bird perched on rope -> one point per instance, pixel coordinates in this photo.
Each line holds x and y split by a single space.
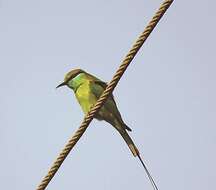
88 90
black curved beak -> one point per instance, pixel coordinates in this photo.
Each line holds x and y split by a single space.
62 84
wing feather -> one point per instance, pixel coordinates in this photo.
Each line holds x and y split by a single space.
97 88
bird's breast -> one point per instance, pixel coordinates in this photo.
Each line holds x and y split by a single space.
85 98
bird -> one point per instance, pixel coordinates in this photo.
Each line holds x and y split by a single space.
88 89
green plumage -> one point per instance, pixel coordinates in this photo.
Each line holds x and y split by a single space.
88 89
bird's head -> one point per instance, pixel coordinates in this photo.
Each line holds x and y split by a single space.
69 76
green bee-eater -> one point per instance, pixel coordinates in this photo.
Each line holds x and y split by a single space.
88 89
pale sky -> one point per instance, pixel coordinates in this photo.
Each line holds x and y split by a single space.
167 95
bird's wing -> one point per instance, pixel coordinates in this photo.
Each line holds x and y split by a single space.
104 85
97 88
99 82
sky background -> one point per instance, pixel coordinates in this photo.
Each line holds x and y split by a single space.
167 95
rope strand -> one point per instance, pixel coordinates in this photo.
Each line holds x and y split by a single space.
89 117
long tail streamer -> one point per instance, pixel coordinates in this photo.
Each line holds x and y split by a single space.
148 173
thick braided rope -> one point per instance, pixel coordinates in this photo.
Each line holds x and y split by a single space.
89 117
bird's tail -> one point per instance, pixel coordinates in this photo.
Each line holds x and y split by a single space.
135 152
129 142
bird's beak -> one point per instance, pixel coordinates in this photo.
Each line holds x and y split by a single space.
62 84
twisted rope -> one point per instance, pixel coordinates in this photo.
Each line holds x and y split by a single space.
89 117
